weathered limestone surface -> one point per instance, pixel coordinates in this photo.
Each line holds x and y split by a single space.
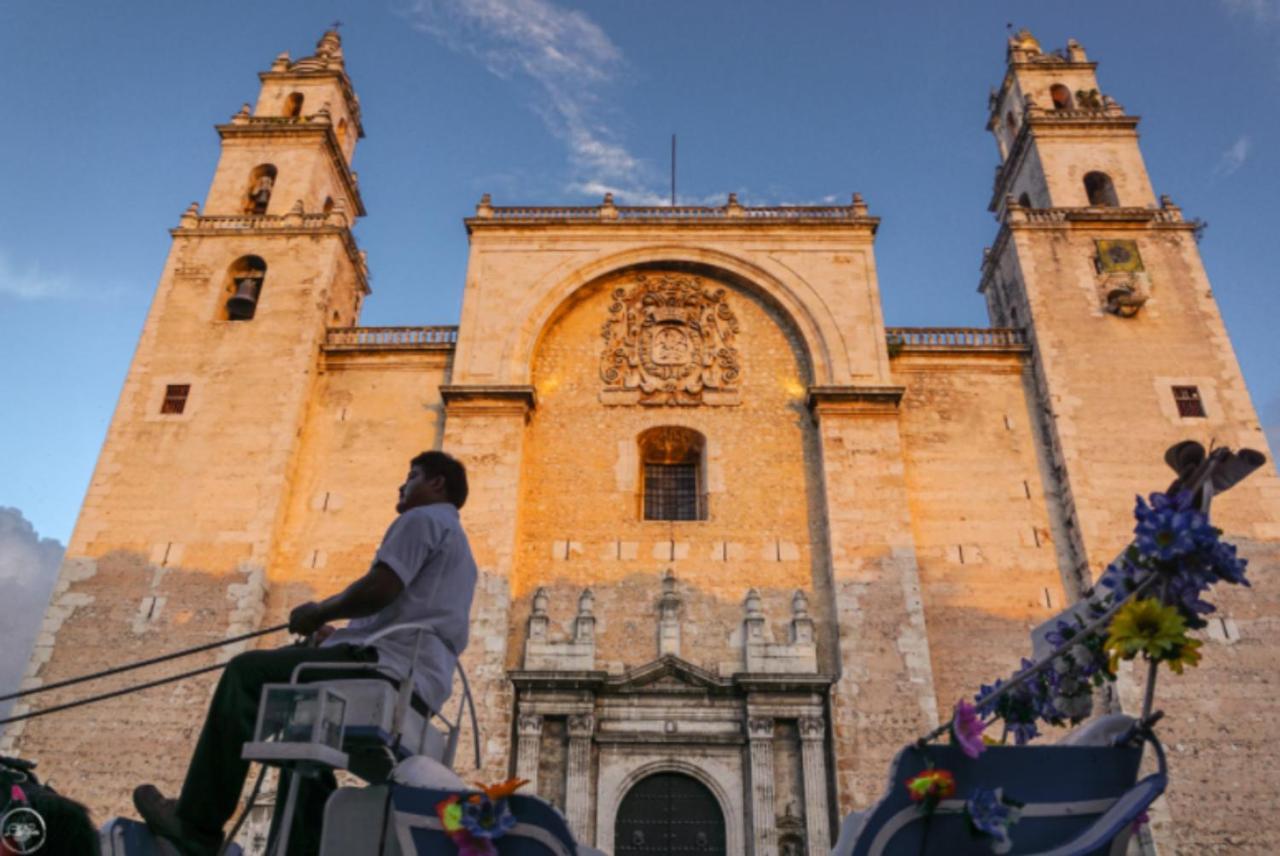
884 522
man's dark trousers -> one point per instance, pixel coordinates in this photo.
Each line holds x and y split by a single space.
217 772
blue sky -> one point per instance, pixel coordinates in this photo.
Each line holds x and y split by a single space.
110 107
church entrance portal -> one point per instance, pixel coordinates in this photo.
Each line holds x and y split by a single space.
669 813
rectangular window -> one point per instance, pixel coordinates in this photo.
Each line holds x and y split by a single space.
175 398
1188 400
671 492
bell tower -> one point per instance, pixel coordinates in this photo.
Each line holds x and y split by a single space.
185 510
1130 351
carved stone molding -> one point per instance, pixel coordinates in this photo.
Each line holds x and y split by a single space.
582 725
811 728
669 341
760 727
529 724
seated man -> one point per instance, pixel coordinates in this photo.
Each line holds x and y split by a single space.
423 573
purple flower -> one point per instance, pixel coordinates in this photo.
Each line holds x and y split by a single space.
966 729
1226 564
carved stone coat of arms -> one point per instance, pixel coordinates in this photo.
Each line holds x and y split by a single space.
669 340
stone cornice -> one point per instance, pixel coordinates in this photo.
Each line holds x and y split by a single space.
787 683
192 225
259 127
880 400
488 398
731 215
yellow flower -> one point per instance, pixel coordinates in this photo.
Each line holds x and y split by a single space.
1150 628
1186 654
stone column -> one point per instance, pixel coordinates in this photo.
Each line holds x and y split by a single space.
884 696
577 795
484 428
764 833
528 746
813 761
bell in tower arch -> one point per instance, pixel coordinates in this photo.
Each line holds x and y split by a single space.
247 274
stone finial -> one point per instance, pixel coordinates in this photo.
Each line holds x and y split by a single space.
294 217
242 115
190 217
1013 211
733 208
801 623
1075 51
281 62
584 626
485 207
859 205
538 617
608 211
669 617
752 604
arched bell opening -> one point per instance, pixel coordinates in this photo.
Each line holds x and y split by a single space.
258 194
669 812
1061 96
244 287
1101 190
293 105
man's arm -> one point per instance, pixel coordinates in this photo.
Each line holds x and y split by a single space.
365 596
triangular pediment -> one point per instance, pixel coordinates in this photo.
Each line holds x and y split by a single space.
667 674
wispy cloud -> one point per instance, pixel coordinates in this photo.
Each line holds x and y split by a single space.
29 282
1265 11
1235 156
570 60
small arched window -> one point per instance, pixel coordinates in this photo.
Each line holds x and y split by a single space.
261 181
1024 200
671 460
342 132
293 105
328 205
1061 96
244 286
1011 123
1101 191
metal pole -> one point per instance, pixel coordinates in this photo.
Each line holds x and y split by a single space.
673 170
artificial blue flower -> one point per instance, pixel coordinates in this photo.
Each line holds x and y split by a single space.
485 818
1169 528
991 815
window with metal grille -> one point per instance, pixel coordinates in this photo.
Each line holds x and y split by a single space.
671 492
175 398
1188 400
671 467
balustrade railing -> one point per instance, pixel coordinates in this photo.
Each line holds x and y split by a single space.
261 221
946 338
634 213
389 338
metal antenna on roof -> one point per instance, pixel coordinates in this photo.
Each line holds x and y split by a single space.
673 170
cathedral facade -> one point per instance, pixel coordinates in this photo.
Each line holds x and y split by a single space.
738 540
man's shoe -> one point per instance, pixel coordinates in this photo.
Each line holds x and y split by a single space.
161 816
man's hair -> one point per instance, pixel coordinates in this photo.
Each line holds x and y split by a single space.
435 464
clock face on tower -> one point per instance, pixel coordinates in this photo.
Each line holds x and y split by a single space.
1118 255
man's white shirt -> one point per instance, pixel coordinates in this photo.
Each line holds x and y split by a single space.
429 552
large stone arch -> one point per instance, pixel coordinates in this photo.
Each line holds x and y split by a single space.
619 774
793 298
